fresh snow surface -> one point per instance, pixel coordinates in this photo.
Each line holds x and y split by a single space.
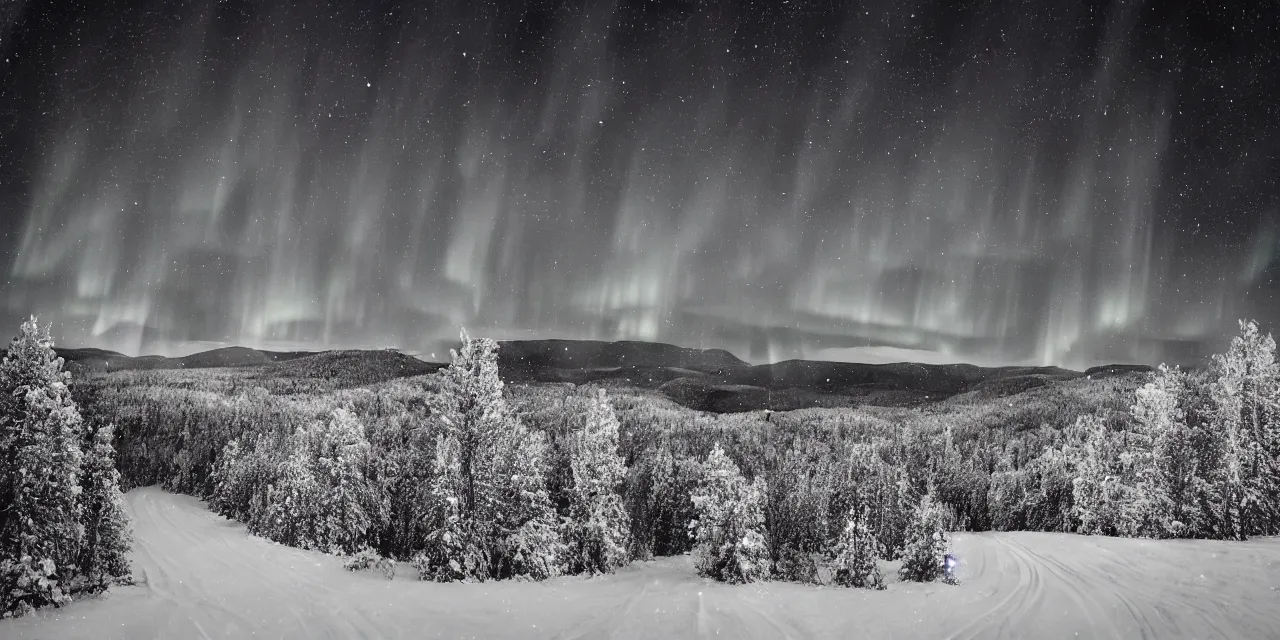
201 576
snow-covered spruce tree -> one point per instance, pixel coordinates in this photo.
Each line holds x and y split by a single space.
230 495
898 509
1247 399
322 497
528 531
658 490
598 529
729 542
292 502
348 505
925 549
1216 490
856 553
456 548
1097 494
797 508
40 464
492 516
242 474
107 536
1160 500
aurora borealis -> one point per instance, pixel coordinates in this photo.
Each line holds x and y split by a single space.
1049 182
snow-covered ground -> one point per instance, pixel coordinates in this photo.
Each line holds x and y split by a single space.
201 576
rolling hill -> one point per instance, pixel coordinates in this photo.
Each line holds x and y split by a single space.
704 379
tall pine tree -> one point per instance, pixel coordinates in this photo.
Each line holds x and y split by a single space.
348 505
40 465
598 527
1098 495
1166 462
493 517
107 536
1247 398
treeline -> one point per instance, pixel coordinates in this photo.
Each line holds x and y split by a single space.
1197 456
473 481
63 528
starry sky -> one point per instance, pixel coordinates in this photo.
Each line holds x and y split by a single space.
997 182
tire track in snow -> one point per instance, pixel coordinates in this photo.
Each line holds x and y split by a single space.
1076 587
1165 620
1031 595
1018 597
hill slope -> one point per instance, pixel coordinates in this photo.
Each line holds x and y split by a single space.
703 379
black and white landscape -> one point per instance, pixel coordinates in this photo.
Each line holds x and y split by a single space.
461 506
787 319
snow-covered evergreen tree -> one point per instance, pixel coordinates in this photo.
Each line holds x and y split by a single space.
598 529
348 504
243 476
1165 464
457 548
40 465
856 554
528 541
1098 495
292 503
730 545
1247 399
230 496
658 490
493 517
311 490
321 497
926 545
107 536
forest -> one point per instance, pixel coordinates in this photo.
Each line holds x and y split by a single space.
470 479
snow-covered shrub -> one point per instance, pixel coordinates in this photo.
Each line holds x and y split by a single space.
366 559
856 554
925 550
795 565
729 541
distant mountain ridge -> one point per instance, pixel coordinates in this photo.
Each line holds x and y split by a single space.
102 360
706 379
535 355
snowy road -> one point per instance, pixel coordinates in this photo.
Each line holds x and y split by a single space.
203 577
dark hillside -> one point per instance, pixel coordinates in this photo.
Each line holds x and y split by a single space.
704 379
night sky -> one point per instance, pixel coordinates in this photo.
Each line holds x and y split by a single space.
992 182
